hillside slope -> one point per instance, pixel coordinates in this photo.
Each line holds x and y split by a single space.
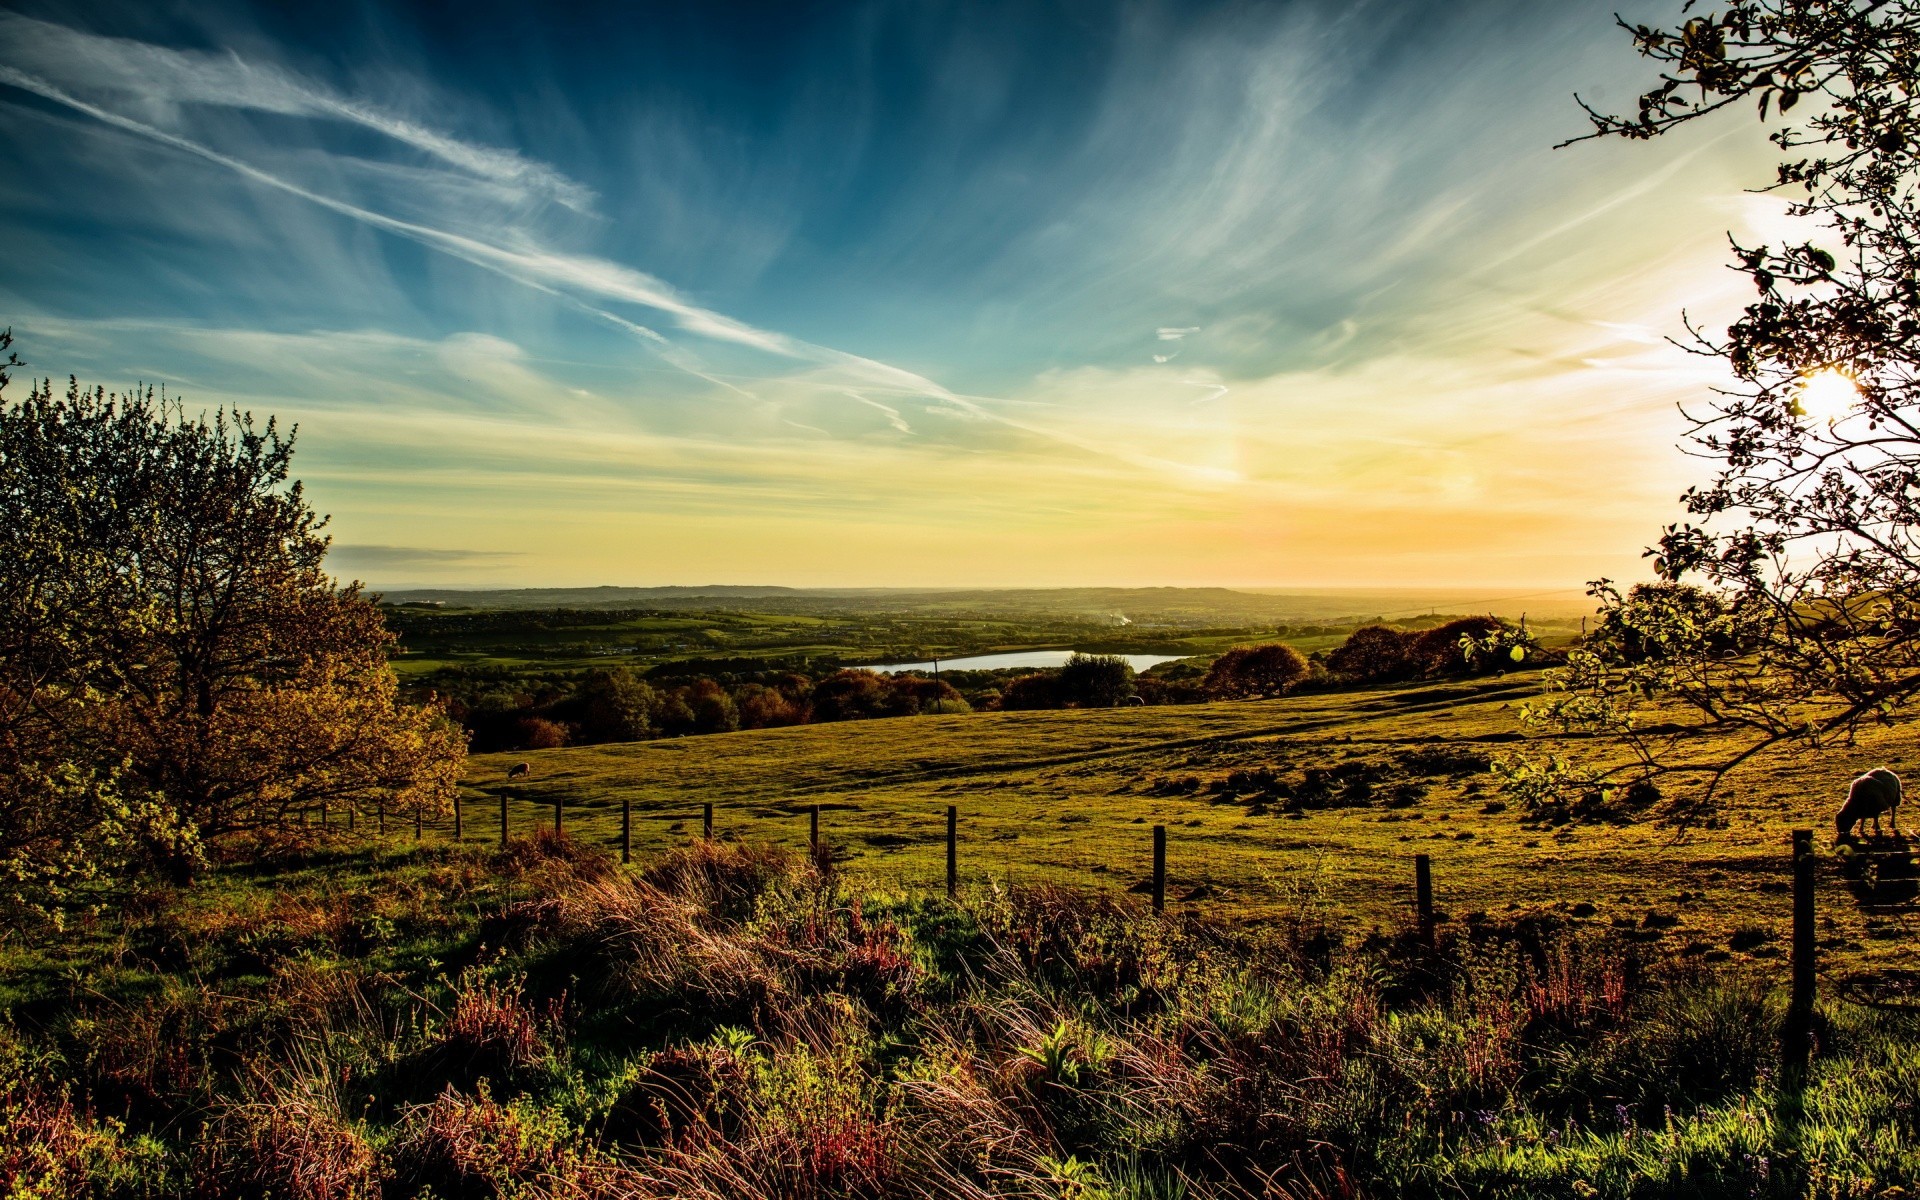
1312 802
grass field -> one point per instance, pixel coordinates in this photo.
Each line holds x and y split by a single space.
1070 797
327 1015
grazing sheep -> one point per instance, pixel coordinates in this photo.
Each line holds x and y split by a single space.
519 769
1876 792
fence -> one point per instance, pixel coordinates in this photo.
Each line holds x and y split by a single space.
1797 1033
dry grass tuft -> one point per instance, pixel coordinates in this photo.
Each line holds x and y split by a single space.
292 1143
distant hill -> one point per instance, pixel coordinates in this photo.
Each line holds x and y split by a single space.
1153 605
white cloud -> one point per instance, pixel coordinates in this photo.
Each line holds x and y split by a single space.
158 81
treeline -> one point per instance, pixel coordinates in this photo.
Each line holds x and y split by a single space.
619 705
503 710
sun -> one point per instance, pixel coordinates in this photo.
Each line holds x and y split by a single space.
1826 395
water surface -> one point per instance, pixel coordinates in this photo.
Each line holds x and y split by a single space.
1031 659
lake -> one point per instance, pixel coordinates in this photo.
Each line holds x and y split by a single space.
1034 659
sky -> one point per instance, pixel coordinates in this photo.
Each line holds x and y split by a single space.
894 294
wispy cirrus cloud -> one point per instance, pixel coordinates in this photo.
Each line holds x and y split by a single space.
88 74
156 81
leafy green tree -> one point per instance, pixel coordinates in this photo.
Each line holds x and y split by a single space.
616 706
1264 671
168 619
1801 548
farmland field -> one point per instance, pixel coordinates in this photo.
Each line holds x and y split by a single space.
1314 802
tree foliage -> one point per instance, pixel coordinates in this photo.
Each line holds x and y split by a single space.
1790 606
1095 680
170 638
1248 672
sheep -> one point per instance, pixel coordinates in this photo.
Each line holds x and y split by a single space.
519 769
1876 792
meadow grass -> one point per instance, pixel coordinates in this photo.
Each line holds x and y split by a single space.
340 1020
1377 775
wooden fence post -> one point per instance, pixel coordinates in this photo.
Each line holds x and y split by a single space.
383 816
353 814
813 828
626 829
1159 868
1423 895
419 820
459 826
503 818
556 816
953 850
323 814
706 820
1798 1035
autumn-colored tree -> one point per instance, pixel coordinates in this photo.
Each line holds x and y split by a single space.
1038 690
909 695
713 708
162 574
1264 671
762 707
849 695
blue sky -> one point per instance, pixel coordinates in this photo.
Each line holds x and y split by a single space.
892 294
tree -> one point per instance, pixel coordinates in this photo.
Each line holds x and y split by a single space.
1095 680
1264 671
1038 690
762 707
713 709
849 695
615 706
1801 546
166 617
1374 654
1452 648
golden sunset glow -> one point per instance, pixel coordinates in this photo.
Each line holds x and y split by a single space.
1826 395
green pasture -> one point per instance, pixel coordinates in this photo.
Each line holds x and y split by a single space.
1070 796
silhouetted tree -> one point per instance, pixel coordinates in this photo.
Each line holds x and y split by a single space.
1805 533
1462 646
1038 690
1375 654
1268 670
1095 680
